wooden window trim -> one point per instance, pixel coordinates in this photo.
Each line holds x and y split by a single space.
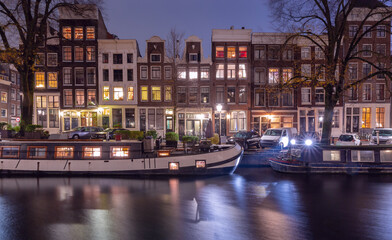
72 155
28 151
9 156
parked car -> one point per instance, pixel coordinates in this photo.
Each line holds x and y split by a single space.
306 138
246 139
348 139
384 136
108 133
83 132
281 137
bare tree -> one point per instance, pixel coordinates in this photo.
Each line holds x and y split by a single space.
23 25
325 24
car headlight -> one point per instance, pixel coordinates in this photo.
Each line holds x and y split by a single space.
292 142
308 142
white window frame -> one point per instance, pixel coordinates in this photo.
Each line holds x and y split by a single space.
52 65
141 72
315 93
159 75
365 52
309 93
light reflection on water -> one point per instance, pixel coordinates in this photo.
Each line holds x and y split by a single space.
251 204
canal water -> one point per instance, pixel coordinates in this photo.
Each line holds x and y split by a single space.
253 203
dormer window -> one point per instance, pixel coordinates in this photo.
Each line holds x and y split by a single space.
155 58
78 33
243 52
193 58
220 52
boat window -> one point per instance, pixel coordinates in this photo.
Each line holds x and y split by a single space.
386 155
200 163
36 152
331 155
92 152
174 166
64 152
10 152
119 152
362 156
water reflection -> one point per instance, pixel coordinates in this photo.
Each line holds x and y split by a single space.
252 204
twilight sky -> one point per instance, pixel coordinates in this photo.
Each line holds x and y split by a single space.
141 19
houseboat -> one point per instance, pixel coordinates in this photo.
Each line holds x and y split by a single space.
335 159
111 158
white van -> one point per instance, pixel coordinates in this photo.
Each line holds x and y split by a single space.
277 137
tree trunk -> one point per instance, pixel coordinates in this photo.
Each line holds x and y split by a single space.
27 82
327 122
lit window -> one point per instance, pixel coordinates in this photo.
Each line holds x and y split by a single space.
67 54
174 166
204 73
193 73
380 117
273 75
242 71
4 97
78 54
79 94
118 94
156 93
36 152
230 52
287 74
220 52
231 71
205 94
220 71
52 80
68 97
90 33
91 152
366 117
144 93
40 101
130 94
39 80
67 32
106 93
91 97
200 163
120 152
78 33
53 101
90 54
237 121
380 92
243 52
64 152
168 93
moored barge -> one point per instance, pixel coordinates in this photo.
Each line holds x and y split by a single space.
335 159
110 158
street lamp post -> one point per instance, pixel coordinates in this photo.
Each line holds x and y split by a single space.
219 109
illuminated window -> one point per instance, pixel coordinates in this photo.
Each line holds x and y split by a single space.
78 33
92 152
40 101
230 52
204 73
273 75
156 93
220 71
39 80
119 152
67 33
90 33
193 73
168 93
130 93
380 117
243 52
242 71
192 95
52 80
331 155
64 152
118 94
90 54
220 52
10 152
144 93
205 94
287 74
79 94
181 73
78 54
174 166
53 101
36 152
231 71
200 163
366 116
4 97
106 93
91 97
231 94
237 121
68 97
242 96
67 54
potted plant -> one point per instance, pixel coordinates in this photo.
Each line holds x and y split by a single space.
136 135
33 131
152 133
5 130
171 139
189 139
